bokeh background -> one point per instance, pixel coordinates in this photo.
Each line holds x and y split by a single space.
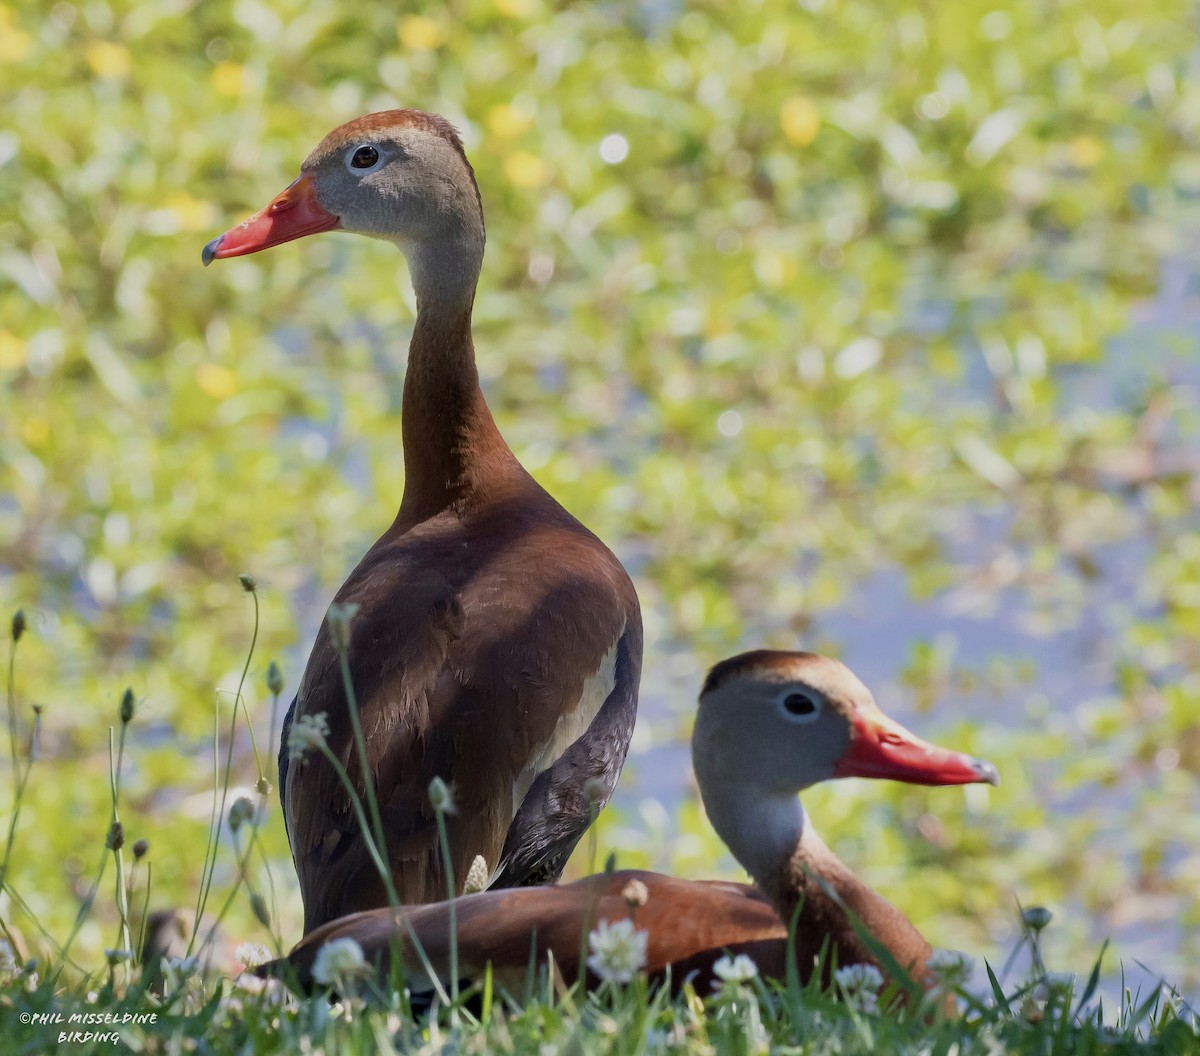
853 325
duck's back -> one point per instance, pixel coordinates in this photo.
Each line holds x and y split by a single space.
497 647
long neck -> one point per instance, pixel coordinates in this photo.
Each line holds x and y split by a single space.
772 837
451 443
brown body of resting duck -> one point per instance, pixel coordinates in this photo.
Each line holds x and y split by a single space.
497 643
770 724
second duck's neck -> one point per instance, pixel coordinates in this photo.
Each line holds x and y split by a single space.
774 840
451 443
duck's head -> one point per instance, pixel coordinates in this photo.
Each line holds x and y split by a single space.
399 175
782 721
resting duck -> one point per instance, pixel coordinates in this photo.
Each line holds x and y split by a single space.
770 724
497 642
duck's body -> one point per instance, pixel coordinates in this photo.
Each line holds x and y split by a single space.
690 923
496 642
769 725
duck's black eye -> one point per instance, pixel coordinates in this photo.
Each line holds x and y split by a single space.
798 704
365 157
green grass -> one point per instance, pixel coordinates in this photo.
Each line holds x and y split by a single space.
49 1001
222 1016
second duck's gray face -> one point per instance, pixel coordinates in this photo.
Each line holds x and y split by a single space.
784 721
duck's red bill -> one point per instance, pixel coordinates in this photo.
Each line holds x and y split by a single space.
881 747
293 213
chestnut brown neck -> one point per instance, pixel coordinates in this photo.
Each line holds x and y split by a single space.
452 448
453 451
816 882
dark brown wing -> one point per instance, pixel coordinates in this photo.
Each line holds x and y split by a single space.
690 925
470 656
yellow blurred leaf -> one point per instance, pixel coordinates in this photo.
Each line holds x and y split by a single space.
517 8
1085 151
14 42
419 33
227 78
12 351
108 59
190 213
506 120
216 380
35 430
525 170
799 119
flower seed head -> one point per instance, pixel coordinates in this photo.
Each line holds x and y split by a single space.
274 678
261 913
1035 918
440 796
262 786
339 618
308 731
636 894
248 582
477 876
18 625
241 812
140 847
127 706
116 837
595 792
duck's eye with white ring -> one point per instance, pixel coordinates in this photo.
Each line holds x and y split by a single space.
799 706
363 158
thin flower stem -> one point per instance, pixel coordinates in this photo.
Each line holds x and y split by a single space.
368 778
27 909
19 796
114 778
209 843
141 946
448 866
12 718
242 860
393 898
218 816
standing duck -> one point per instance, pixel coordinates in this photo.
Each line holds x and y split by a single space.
497 643
770 724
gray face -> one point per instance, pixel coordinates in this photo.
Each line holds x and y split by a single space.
778 729
405 185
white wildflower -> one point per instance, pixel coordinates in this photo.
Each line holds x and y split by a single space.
308 731
339 962
951 969
739 969
860 985
251 954
477 876
618 950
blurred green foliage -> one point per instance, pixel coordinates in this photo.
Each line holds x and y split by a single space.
853 293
